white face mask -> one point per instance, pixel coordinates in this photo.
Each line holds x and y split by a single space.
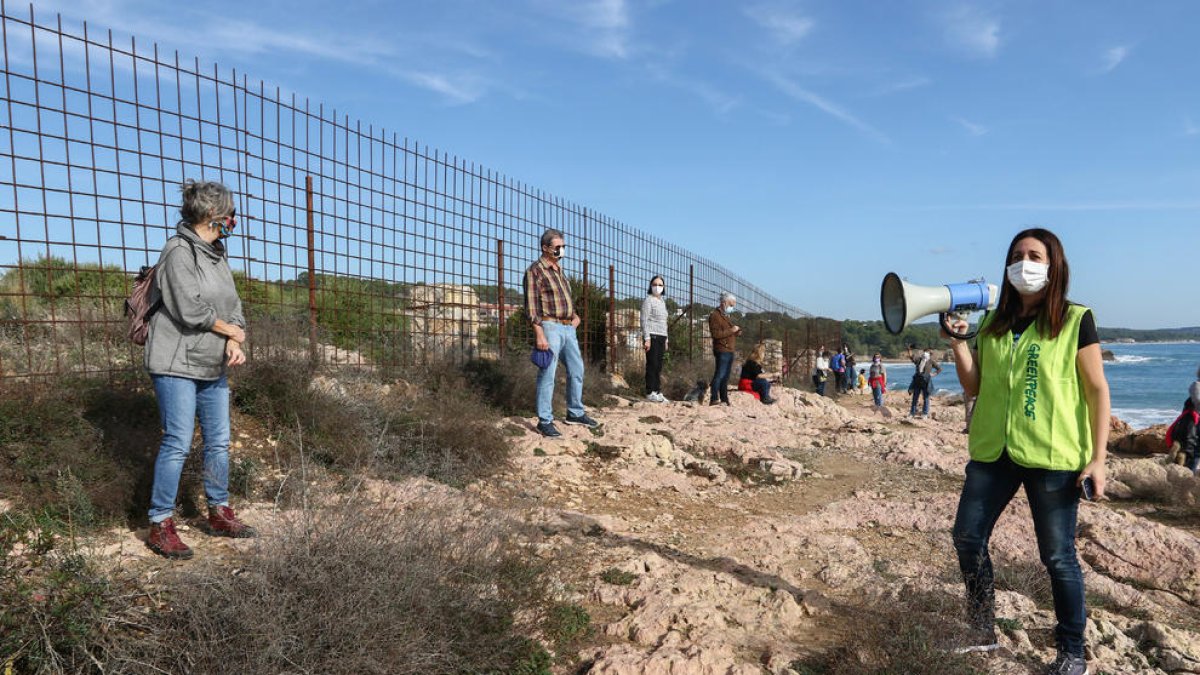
1028 277
729 309
657 289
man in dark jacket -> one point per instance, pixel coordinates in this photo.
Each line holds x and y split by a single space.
724 336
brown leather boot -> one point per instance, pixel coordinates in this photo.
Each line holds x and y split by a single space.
164 541
223 523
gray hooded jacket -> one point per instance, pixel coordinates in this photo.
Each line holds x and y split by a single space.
195 292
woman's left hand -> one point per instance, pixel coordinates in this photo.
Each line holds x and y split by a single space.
1099 475
234 356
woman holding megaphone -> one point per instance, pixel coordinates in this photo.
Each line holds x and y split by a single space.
1041 421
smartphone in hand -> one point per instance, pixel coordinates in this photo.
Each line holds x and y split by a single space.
1089 489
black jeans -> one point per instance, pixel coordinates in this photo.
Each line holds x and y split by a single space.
1054 504
654 363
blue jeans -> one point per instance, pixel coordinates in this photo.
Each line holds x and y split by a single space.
877 394
564 345
761 386
1054 502
920 388
180 401
720 381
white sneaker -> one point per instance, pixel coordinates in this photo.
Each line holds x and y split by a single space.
661 398
651 397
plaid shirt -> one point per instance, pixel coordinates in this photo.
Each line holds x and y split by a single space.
547 293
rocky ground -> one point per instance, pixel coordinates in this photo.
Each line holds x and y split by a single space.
745 539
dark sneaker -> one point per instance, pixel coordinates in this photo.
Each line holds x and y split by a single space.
164 541
548 430
582 419
976 640
714 403
1066 664
768 400
223 523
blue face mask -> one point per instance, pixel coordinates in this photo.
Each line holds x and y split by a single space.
226 225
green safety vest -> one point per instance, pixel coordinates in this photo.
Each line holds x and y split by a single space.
1031 399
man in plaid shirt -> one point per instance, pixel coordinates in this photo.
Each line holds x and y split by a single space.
548 304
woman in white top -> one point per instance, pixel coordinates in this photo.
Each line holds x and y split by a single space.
654 337
821 370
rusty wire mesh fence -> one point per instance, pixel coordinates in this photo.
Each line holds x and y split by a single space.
355 246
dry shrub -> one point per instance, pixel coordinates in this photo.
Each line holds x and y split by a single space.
349 590
86 445
56 606
907 633
444 429
1027 577
680 377
448 432
510 384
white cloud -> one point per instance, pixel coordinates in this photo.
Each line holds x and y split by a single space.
784 24
973 128
902 85
1114 57
720 101
605 26
826 106
972 31
437 63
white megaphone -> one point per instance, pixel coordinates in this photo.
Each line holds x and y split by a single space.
903 303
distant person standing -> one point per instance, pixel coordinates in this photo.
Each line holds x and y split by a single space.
927 367
654 337
821 370
548 303
838 366
877 379
851 370
724 338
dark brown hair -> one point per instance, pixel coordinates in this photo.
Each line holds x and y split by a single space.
1052 313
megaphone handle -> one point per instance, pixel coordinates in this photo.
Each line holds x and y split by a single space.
969 335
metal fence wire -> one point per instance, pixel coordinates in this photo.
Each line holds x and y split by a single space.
355 246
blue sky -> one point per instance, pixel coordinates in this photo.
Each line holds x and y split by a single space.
809 146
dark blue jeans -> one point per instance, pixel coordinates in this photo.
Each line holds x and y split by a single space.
1054 503
920 387
763 387
720 381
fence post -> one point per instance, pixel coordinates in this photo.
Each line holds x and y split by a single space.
786 356
583 319
612 321
691 309
312 273
500 295
760 330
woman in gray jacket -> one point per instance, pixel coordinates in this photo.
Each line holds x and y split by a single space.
654 336
195 334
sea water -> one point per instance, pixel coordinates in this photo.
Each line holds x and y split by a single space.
1148 381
